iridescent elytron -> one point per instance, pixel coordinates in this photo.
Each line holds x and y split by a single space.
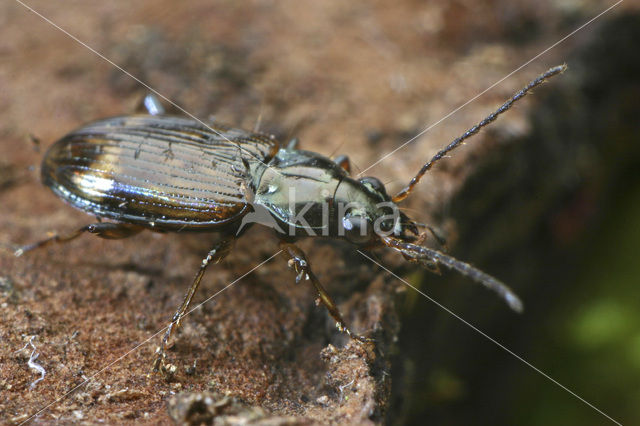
170 174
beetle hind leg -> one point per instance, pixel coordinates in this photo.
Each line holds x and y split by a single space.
299 262
108 230
215 255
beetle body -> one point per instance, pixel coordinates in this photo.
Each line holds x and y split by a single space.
168 173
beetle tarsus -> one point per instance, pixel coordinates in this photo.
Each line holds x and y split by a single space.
215 255
301 265
107 230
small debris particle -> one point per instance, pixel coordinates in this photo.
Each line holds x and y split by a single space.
190 370
125 394
205 407
18 419
323 400
32 362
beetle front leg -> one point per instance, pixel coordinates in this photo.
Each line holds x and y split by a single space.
215 255
299 262
343 162
107 230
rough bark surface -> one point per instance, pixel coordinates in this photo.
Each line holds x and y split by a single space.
346 78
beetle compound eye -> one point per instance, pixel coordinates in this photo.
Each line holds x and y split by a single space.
357 229
373 184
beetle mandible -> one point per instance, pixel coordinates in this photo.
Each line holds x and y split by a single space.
168 174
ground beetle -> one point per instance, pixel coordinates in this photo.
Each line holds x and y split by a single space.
169 174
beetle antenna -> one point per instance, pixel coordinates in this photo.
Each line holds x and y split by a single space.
475 129
256 128
425 256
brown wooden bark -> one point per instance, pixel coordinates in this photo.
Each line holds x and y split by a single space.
345 78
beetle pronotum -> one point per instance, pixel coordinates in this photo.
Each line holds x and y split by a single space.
167 174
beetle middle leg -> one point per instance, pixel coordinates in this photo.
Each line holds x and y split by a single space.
215 255
107 230
298 260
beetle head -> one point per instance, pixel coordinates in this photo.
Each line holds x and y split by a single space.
366 213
